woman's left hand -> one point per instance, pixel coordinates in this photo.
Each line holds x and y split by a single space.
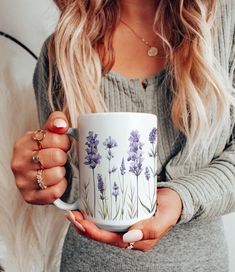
146 233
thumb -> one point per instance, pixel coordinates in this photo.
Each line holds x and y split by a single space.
57 122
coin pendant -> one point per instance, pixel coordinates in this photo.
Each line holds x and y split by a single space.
153 51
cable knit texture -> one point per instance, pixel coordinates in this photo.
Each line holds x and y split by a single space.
206 183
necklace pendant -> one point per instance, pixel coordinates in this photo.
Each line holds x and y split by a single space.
153 51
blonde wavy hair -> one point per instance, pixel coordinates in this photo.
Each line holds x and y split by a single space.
201 96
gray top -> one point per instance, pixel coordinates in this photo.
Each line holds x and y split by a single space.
206 183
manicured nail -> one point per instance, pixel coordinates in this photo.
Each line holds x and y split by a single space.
69 215
60 123
79 226
132 236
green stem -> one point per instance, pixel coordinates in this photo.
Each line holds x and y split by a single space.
137 196
122 195
93 173
110 189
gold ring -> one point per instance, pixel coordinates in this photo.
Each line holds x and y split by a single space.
36 158
39 179
130 245
38 136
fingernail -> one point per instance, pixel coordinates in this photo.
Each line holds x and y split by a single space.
79 226
60 123
70 216
132 236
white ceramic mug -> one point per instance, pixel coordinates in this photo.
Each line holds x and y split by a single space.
117 158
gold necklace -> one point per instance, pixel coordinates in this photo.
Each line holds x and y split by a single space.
152 51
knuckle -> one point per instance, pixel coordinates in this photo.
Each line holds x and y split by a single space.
28 197
66 142
58 157
57 193
19 183
16 165
56 140
59 173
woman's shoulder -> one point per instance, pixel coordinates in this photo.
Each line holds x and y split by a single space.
43 56
41 72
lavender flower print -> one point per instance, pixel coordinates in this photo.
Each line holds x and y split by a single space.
153 136
147 173
93 158
109 144
153 152
135 156
123 167
101 188
147 176
123 172
115 193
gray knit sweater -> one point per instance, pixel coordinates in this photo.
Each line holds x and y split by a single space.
206 183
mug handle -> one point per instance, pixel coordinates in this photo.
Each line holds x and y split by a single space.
72 132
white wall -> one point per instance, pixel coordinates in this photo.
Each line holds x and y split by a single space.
31 21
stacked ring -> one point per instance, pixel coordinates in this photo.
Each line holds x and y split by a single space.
38 136
40 181
36 158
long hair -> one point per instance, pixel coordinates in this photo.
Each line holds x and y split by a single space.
201 95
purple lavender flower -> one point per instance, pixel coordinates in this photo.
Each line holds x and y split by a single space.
153 136
153 151
113 170
101 186
147 173
115 192
93 157
123 168
135 153
109 144
136 159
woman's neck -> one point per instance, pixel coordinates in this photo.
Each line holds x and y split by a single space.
138 11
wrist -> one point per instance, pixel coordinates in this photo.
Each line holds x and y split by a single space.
170 201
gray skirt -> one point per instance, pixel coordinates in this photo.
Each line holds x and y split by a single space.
196 246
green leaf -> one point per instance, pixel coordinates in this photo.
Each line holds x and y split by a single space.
144 206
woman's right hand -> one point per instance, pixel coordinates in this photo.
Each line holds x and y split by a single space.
53 157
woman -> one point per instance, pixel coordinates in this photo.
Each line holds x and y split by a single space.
171 58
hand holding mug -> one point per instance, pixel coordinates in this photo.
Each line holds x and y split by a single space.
145 234
53 156
117 158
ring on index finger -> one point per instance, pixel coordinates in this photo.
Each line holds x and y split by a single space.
38 136
36 158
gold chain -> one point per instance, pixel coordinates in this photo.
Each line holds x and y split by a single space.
153 51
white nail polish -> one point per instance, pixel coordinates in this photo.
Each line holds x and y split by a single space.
60 123
132 236
69 215
79 226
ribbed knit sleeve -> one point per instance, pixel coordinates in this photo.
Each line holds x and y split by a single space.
210 191
40 84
